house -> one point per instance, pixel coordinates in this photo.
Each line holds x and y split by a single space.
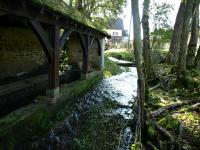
118 33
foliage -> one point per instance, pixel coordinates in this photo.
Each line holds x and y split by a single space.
63 61
100 12
162 31
159 13
163 34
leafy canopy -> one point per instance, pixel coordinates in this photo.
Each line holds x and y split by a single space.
102 12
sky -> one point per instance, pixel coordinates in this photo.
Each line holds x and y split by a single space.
127 12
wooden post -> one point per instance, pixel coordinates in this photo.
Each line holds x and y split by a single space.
65 35
51 44
53 74
86 44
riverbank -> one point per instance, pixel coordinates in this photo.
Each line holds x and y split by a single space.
182 122
77 118
178 127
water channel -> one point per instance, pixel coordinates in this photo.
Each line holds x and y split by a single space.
120 89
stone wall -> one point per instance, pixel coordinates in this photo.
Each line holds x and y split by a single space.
20 52
74 49
94 57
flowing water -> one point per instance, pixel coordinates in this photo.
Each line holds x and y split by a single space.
120 88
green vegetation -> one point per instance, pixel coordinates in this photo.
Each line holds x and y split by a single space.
63 61
37 119
111 68
182 123
121 55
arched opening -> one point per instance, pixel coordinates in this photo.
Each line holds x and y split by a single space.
72 54
95 56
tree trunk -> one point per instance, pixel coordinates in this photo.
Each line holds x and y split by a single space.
79 4
174 49
71 3
197 59
184 39
146 41
194 36
138 57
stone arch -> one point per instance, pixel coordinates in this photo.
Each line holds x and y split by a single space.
99 47
74 48
95 54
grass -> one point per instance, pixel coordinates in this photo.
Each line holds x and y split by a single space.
121 55
111 68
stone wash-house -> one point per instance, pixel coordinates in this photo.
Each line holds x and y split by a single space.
32 35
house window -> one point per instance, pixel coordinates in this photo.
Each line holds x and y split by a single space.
115 33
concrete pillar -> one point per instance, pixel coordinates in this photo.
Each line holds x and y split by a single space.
102 42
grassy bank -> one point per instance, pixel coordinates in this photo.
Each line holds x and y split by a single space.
36 119
111 68
121 55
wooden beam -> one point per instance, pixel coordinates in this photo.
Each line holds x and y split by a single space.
2 13
99 47
40 32
65 35
54 64
91 42
86 40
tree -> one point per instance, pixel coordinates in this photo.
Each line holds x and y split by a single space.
174 49
160 17
194 36
138 57
99 12
197 59
146 41
184 39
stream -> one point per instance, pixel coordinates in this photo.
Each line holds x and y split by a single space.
120 89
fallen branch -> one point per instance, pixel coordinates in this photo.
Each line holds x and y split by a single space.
126 64
165 133
155 87
172 107
196 107
152 146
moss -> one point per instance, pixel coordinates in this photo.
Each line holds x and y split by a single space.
151 132
70 12
176 91
169 122
36 119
